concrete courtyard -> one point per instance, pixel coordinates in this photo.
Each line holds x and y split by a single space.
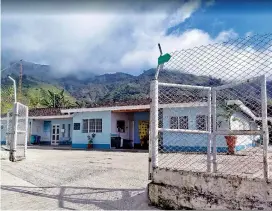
68 179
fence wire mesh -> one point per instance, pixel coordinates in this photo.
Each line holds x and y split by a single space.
22 131
6 135
14 132
183 113
176 107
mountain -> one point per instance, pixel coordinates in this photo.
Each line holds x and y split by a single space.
92 88
34 80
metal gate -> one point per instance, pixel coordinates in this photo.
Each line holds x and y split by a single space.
252 136
6 133
188 128
16 124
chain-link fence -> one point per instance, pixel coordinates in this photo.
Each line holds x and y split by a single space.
216 117
15 129
22 130
6 134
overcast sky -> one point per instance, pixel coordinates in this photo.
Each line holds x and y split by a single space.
121 36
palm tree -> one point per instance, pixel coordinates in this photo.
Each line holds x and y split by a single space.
54 100
81 104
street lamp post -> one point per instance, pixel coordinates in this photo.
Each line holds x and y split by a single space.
14 87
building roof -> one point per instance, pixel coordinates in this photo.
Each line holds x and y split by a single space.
45 112
143 101
128 104
36 112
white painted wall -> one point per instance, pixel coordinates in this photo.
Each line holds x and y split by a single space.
37 127
181 139
239 121
120 116
191 140
80 139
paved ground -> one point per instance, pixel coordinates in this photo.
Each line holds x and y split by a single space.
66 179
246 163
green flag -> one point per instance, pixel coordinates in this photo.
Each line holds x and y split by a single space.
164 58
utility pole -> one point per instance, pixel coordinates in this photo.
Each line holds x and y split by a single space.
39 96
54 99
20 80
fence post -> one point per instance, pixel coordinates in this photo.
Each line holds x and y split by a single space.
154 122
14 137
213 131
8 130
26 130
265 128
150 170
209 160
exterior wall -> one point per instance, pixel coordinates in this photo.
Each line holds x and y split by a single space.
181 141
66 122
240 122
188 190
102 140
198 142
3 131
37 127
120 116
138 116
43 128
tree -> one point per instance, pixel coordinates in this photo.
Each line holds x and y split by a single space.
7 98
54 100
81 104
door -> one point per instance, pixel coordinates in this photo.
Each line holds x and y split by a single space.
131 130
55 134
144 133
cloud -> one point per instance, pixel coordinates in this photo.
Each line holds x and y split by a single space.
103 42
249 34
184 12
239 59
97 41
146 55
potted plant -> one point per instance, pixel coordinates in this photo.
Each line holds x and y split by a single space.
228 111
90 140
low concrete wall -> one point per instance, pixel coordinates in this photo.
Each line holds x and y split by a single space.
187 190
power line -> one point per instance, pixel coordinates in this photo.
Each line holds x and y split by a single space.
10 66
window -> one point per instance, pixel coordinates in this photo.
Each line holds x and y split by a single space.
92 126
120 126
201 122
174 122
63 130
179 122
183 122
98 126
160 118
85 126
76 126
212 124
69 130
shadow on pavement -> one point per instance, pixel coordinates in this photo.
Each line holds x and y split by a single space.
72 198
